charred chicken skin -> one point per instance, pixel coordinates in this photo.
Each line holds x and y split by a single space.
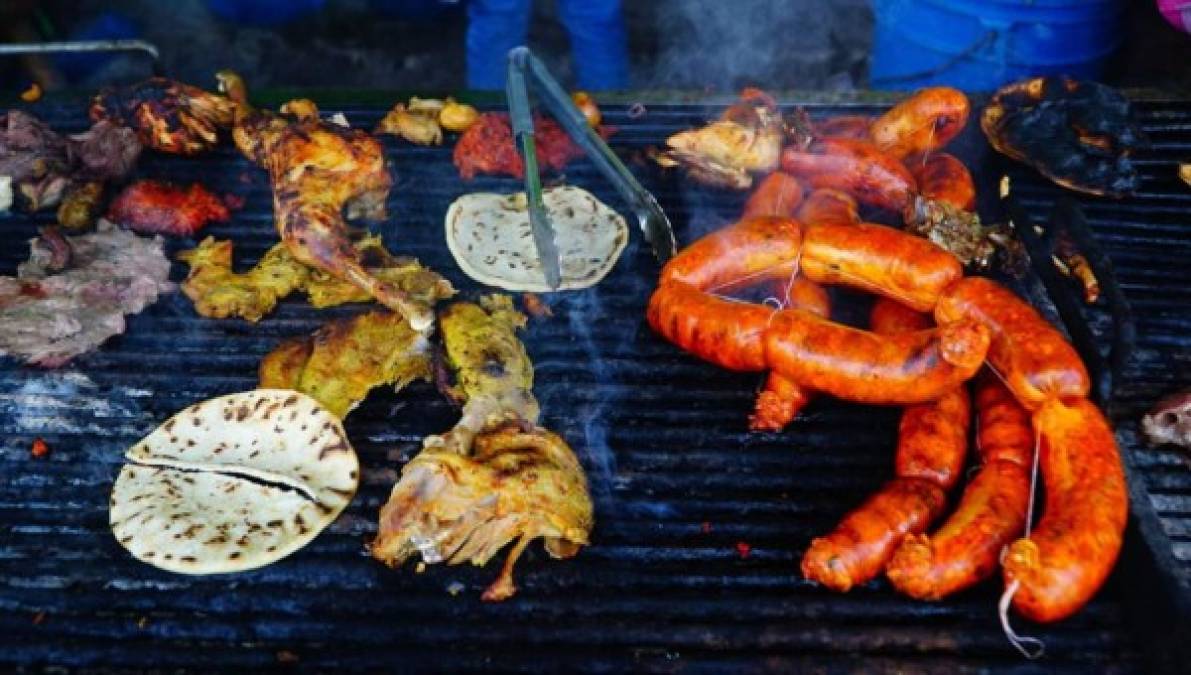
319 170
168 116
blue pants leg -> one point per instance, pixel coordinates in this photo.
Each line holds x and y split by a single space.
493 28
599 45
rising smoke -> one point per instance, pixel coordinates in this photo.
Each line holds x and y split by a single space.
781 44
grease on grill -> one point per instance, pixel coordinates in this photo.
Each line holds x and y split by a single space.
1078 134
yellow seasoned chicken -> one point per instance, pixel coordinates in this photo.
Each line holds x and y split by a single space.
346 358
402 272
417 123
493 374
219 292
321 171
496 477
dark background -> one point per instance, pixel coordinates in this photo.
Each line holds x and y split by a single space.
674 44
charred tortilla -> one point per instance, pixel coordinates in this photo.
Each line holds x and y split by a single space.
233 483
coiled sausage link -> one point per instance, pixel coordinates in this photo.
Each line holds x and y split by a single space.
992 511
1066 559
1035 360
881 260
932 442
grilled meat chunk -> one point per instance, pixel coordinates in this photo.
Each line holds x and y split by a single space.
1169 421
487 147
1079 134
168 116
496 476
73 292
46 169
346 358
152 207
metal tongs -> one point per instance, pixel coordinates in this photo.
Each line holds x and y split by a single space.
654 223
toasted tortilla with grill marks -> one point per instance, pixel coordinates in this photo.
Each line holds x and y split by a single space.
489 235
234 483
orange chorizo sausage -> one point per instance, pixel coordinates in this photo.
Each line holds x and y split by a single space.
932 442
778 195
932 436
778 403
882 260
781 399
992 511
1029 354
856 167
925 121
757 248
855 551
943 178
828 207
889 317
728 333
858 365
843 126
1066 559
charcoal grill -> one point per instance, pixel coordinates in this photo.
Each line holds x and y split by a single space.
700 524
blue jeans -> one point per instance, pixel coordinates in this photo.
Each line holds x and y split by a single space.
596 28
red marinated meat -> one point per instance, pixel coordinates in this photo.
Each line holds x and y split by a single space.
487 147
151 207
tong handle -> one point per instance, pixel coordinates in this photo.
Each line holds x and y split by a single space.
555 98
74 46
576 126
521 120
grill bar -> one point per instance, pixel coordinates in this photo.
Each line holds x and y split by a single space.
678 481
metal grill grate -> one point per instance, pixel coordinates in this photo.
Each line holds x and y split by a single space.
678 482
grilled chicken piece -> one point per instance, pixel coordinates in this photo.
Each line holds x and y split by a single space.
516 483
168 116
319 170
218 292
746 140
344 359
493 374
416 125
152 207
496 476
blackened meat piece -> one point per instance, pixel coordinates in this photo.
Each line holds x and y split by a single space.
1078 134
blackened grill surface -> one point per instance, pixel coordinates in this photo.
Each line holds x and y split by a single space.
699 524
